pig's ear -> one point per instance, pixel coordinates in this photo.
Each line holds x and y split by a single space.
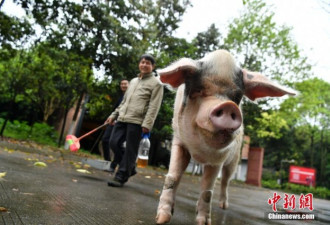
259 86
174 74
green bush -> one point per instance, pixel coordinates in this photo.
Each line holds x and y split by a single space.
268 174
38 132
319 192
44 134
272 184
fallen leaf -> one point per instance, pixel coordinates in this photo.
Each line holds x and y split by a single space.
157 192
148 177
2 174
9 150
30 159
75 181
83 171
86 166
26 193
3 209
40 164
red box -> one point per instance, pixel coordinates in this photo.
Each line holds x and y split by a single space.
302 175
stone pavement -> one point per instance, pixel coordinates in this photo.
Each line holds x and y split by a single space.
67 192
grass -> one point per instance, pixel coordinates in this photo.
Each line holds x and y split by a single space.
319 192
38 132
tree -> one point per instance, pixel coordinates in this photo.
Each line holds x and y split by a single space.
113 34
14 32
311 110
262 45
308 137
43 77
14 78
207 41
56 83
265 46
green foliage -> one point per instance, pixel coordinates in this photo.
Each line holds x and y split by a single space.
44 134
267 126
207 41
39 82
309 114
103 96
13 31
319 192
111 33
311 106
38 132
58 83
268 174
262 45
163 124
14 75
265 46
43 77
272 184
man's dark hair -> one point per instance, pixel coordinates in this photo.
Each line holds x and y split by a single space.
149 58
123 80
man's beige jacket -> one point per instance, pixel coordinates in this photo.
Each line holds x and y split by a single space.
141 101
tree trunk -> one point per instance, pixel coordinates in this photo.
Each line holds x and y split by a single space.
1 3
312 148
8 115
312 151
66 146
3 126
63 126
323 158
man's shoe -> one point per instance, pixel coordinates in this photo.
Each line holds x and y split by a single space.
133 172
111 171
115 183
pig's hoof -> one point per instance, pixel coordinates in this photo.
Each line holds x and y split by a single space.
223 204
203 221
163 217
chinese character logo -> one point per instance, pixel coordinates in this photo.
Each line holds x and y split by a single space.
289 202
274 200
305 201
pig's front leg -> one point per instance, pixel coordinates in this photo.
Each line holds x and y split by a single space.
227 172
204 203
179 162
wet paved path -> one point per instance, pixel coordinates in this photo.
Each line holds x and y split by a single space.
59 194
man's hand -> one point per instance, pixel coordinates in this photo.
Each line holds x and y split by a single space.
110 121
145 130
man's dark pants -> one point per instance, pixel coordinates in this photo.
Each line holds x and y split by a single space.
105 142
131 133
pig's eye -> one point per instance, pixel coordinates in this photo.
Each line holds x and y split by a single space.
196 94
236 96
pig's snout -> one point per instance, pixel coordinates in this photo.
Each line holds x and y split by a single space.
226 117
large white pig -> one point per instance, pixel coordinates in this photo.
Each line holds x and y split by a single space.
207 124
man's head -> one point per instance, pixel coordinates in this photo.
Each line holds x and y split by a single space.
123 85
146 64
